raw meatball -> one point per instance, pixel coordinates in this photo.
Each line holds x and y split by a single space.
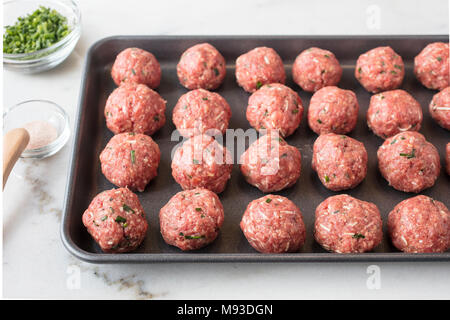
392 112
201 66
380 69
273 224
270 164
116 220
275 106
258 67
447 158
409 162
431 66
347 225
420 224
440 108
130 160
138 66
191 219
202 163
135 108
340 161
333 110
200 111
316 68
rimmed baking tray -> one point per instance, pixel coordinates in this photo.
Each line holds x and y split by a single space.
91 135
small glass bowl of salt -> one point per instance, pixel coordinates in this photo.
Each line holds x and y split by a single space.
46 122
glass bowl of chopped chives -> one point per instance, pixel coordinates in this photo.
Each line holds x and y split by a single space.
39 35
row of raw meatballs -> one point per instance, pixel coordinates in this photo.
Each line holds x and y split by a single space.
134 107
202 66
272 224
137 108
407 161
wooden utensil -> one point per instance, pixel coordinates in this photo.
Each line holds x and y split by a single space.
14 142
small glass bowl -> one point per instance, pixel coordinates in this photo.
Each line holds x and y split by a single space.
34 110
50 57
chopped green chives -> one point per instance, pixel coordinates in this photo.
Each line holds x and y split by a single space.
38 30
127 208
120 219
259 84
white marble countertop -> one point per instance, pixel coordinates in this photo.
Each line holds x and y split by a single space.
35 263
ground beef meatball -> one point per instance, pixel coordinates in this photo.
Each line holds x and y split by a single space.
440 108
116 220
392 112
340 161
201 67
135 108
431 66
202 163
420 224
270 164
316 68
138 66
409 162
130 160
273 224
332 109
258 67
380 69
347 225
275 106
201 111
191 219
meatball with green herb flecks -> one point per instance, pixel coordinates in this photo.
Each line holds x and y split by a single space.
135 108
273 224
344 224
191 219
431 66
201 66
130 160
201 162
392 112
409 162
420 224
316 68
270 164
340 161
201 112
275 106
116 220
258 67
137 66
380 69
332 109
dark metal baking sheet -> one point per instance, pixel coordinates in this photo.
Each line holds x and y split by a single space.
91 135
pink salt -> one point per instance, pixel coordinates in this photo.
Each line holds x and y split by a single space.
41 133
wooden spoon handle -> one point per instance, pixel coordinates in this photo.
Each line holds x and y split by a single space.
14 142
